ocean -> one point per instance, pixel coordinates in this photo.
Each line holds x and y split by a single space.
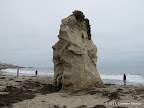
109 75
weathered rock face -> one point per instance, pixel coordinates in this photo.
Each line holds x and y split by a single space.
74 57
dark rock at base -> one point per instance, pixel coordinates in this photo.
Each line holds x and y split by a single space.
2 78
55 106
114 95
15 95
99 106
26 90
82 106
49 88
120 107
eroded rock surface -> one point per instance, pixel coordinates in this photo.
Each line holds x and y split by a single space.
74 57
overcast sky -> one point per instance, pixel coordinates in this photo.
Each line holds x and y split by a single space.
29 29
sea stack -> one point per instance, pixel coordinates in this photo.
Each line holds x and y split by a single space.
74 55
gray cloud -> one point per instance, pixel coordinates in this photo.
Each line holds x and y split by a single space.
29 28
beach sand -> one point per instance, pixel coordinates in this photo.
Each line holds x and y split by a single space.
38 92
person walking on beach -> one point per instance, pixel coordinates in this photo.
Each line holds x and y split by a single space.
36 72
124 79
18 72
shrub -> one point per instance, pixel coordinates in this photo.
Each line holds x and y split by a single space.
79 15
88 28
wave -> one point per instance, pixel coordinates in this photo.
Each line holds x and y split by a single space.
27 71
130 78
50 72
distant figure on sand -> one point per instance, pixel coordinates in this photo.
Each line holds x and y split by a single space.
124 79
18 72
36 72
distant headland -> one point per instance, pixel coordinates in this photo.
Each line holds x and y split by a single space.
5 66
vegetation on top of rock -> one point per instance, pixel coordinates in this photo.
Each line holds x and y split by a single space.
88 28
81 17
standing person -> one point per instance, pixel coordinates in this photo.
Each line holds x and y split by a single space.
124 79
18 72
36 72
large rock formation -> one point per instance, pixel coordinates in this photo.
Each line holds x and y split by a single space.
74 57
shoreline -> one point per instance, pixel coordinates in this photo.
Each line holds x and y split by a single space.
105 81
27 90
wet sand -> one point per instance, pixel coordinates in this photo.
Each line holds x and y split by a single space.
38 92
